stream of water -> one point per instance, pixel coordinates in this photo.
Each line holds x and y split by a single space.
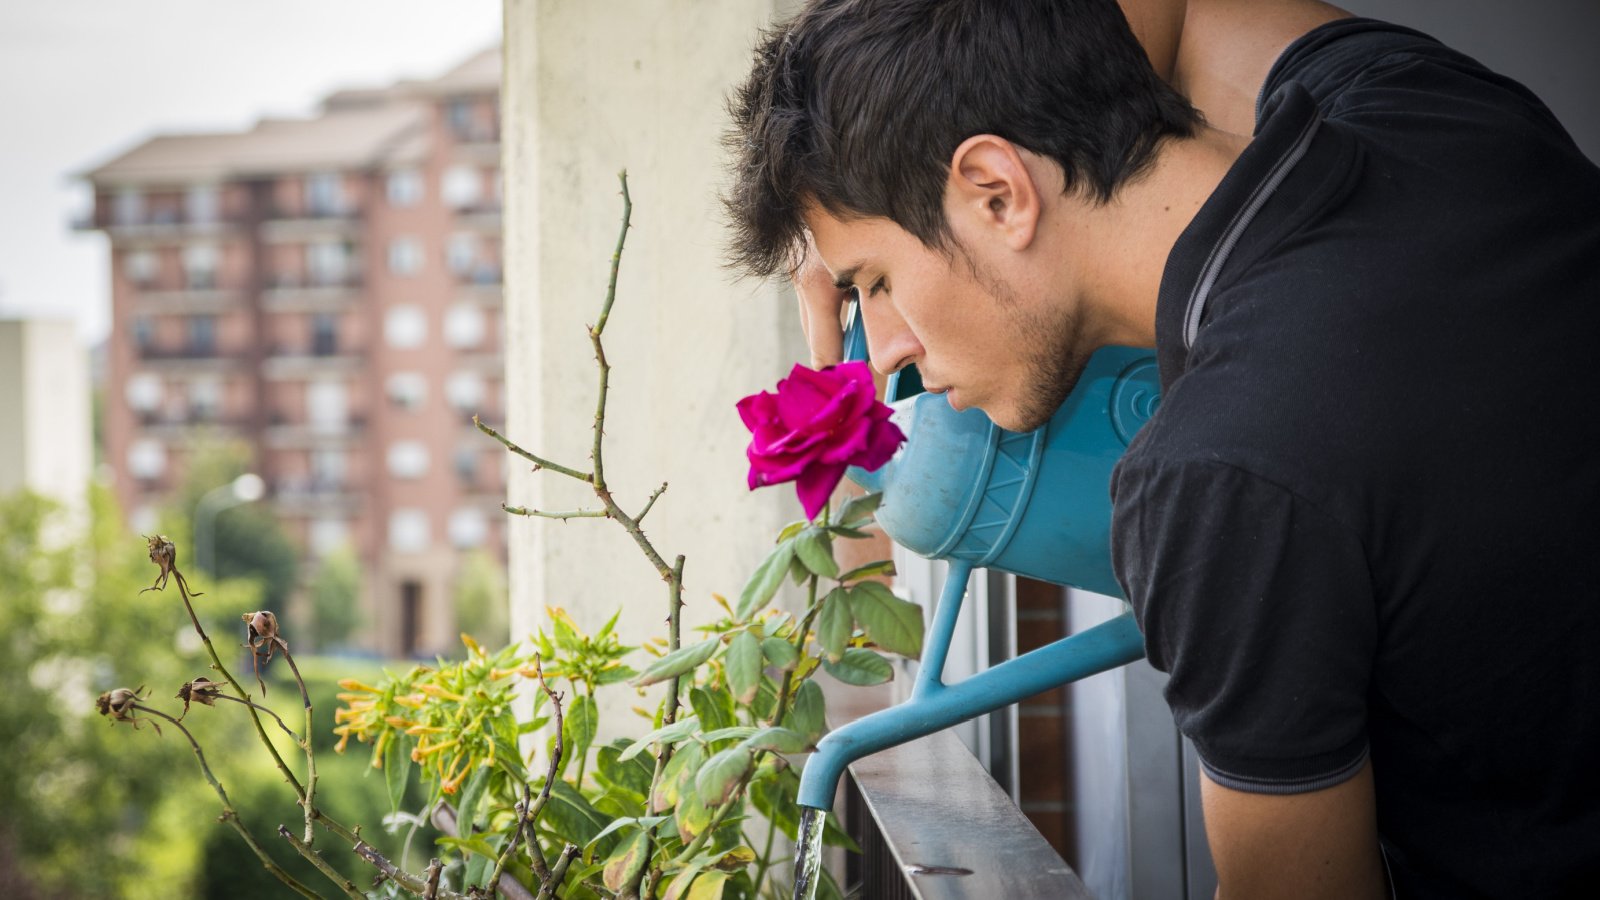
808 853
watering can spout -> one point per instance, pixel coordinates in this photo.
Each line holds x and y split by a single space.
935 705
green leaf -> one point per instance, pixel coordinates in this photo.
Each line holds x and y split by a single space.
792 529
691 816
480 865
581 723
764 581
737 732
574 819
680 769
678 888
632 774
717 779
778 740
774 799
834 624
860 667
780 653
678 662
891 623
854 533
816 551
798 573
834 835
871 570
708 886
713 707
806 711
396 770
471 799
744 666
666 734
857 510
627 862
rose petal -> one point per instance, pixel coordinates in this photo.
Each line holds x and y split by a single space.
815 485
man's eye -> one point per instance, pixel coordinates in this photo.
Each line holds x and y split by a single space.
877 288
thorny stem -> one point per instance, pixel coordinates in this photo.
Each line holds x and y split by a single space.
538 461
311 757
565 514
558 872
801 633
651 502
216 663
275 717
432 873
674 640
411 882
323 866
599 350
766 858
529 809
228 813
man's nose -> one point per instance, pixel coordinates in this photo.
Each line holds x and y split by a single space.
890 342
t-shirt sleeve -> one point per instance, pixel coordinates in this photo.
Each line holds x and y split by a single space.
1260 608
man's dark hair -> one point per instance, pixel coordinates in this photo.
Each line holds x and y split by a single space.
858 105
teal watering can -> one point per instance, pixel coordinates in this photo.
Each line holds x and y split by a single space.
1035 504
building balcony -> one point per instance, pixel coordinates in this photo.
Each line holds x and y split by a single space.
199 297
315 496
298 224
286 363
186 425
188 357
482 216
287 435
158 225
294 295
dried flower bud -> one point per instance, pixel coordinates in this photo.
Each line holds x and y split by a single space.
164 553
200 690
261 626
120 705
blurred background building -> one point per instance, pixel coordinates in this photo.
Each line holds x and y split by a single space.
326 290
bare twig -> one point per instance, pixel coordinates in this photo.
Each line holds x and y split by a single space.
411 882
228 814
323 866
528 809
432 873
558 872
566 514
651 502
309 805
538 461
299 742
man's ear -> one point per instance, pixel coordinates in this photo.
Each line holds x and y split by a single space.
991 188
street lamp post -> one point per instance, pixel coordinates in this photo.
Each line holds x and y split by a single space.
247 488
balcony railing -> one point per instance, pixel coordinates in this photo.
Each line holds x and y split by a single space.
156 221
932 824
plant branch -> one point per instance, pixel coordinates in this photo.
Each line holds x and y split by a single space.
599 327
565 514
228 813
411 882
651 502
801 634
323 866
275 717
539 462
558 872
309 803
528 809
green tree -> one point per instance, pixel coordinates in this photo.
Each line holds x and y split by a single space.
482 601
335 595
245 540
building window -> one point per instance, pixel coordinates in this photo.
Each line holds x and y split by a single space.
324 194
405 326
405 256
140 267
147 459
328 535
202 335
410 613
404 187
468 528
328 468
462 186
408 459
128 207
408 530
407 390
200 266
328 262
464 391
327 407
461 253
205 399
324 334
144 332
203 203
464 325
466 465
143 392
458 115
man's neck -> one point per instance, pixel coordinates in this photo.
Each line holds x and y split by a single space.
1119 249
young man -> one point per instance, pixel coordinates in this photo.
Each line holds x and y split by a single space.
1362 534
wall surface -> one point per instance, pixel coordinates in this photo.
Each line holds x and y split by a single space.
45 442
591 89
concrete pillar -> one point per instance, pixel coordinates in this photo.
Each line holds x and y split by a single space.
592 88
45 442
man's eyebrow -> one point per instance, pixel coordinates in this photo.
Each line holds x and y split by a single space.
846 280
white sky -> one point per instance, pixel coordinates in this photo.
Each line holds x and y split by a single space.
84 80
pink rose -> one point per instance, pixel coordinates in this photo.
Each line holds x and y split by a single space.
814 427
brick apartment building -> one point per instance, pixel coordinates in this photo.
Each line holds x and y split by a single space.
328 290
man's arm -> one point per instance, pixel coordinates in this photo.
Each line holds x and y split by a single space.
1322 844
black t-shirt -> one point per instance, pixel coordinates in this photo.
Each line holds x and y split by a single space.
1365 522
